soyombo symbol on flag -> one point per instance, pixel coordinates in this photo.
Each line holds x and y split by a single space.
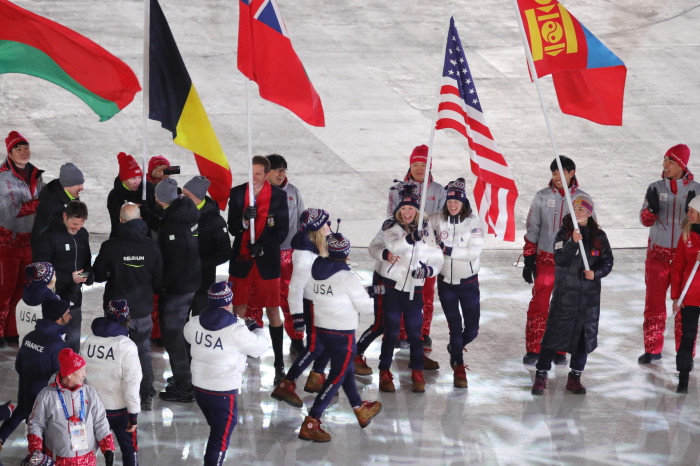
589 79
34 45
266 56
174 102
494 191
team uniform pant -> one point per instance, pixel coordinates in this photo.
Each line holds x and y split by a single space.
377 327
73 329
21 413
140 333
396 305
689 330
538 310
428 308
340 345
578 358
313 351
174 310
12 264
466 295
119 421
220 409
657 277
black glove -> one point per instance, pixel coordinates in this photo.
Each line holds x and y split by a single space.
250 212
299 324
251 323
530 269
445 250
691 196
375 290
255 249
422 271
109 457
415 236
653 200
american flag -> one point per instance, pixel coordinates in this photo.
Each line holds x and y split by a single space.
494 191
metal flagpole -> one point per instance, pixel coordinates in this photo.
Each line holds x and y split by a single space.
426 180
536 80
146 88
251 194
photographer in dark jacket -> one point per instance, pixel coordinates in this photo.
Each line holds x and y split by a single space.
177 239
132 266
66 246
127 188
54 197
214 243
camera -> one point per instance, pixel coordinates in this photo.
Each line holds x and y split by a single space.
173 170
84 275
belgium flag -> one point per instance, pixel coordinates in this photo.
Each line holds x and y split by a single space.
174 102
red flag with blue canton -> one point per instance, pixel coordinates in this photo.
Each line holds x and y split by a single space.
494 191
589 79
266 56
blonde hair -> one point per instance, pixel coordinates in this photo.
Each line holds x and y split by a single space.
319 239
407 226
685 227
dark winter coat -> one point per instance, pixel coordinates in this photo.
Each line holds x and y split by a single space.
179 246
575 303
37 359
119 195
52 202
67 253
132 266
274 233
214 242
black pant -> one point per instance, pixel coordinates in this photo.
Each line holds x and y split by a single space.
73 329
118 420
689 329
174 310
578 358
140 333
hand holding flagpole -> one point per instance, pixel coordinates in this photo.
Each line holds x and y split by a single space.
677 305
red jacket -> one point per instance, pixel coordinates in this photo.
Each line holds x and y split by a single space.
683 261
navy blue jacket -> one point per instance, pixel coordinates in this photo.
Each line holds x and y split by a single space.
179 246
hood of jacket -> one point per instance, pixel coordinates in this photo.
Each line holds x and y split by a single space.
324 268
133 230
216 318
49 327
301 241
182 210
36 293
105 327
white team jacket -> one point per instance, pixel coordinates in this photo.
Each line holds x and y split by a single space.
466 239
425 251
339 300
114 370
26 317
219 356
301 274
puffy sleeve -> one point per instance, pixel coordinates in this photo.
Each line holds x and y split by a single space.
358 295
604 264
131 377
301 273
677 268
253 343
534 221
475 244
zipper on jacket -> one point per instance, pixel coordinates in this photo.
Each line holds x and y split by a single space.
75 261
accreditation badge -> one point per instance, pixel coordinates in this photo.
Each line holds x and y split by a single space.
270 221
78 436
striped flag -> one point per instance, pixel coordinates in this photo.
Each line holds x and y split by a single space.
494 190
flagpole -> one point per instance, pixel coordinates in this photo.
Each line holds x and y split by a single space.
146 88
426 180
536 80
251 194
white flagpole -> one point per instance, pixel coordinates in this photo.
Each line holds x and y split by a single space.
682 297
146 88
536 80
426 180
251 194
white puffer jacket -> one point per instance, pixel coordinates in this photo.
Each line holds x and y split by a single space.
301 274
466 238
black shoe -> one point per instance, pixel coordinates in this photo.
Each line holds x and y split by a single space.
683 382
177 396
146 404
170 380
296 347
531 358
3 342
427 341
279 375
158 342
560 360
647 358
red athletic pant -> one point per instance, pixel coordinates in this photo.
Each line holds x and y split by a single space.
538 310
429 297
12 277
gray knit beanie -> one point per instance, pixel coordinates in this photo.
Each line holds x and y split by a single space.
70 175
166 190
198 186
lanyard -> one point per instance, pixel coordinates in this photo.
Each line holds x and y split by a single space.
65 410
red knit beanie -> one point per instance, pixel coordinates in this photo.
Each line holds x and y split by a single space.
155 162
419 154
128 167
13 139
680 154
69 361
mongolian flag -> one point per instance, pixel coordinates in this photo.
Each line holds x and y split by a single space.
174 102
34 45
266 56
589 79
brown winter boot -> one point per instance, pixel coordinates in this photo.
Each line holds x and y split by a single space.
361 367
315 382
311 430
418 381
540 383
386 381
574 383
460 377
367 411
286 391
430 364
